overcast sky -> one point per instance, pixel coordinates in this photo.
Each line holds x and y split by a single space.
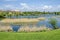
30 5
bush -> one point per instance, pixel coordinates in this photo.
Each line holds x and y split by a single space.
53 22
2 17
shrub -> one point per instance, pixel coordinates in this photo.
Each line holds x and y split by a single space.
53 22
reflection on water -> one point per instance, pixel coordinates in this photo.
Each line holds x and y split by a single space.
43 15
15 27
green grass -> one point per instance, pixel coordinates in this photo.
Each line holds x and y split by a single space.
51 35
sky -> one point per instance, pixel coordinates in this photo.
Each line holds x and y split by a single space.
30 5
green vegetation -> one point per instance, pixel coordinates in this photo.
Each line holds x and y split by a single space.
1 17
51 35
18 13
53 22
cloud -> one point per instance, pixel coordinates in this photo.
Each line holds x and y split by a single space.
58 6
8 6
24 5
27 7
47 7
11 7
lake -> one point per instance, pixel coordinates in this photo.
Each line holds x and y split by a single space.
40 23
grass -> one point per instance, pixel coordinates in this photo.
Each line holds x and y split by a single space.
51 35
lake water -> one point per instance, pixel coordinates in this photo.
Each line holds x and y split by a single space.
45 22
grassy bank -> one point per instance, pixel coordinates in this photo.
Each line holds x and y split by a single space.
52 35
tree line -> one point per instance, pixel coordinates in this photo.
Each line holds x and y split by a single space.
18 13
